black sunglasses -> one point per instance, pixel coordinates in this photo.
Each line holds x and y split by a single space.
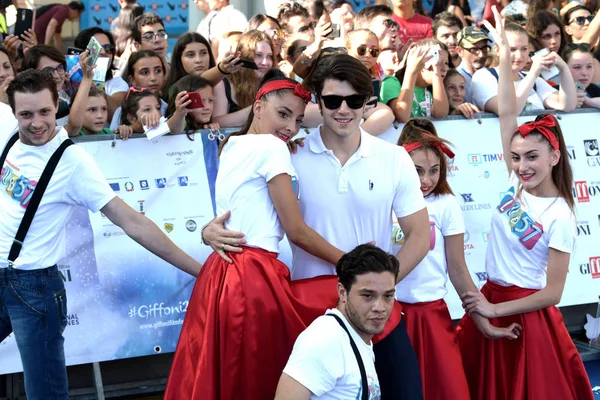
581 20
306 28
108 48
329 50
390 23
362 50
333 102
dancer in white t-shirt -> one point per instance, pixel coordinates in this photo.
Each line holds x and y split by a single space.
422 292
245 315
324 364
531 240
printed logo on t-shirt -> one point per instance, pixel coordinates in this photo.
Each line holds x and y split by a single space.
521 224
19 188
398 235
374 389
296 187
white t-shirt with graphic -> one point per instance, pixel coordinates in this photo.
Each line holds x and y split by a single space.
246 166
77 181
427 282
523 229
324 363
484 86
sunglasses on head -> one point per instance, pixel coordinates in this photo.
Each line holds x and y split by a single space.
333 102
581 20
329 50
136 89
578 46
362 50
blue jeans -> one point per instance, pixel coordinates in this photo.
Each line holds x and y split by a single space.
33 305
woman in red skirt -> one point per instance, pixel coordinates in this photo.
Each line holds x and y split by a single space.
531 240
422 292
244 316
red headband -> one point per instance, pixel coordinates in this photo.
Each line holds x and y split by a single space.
279 84
541 126
415 145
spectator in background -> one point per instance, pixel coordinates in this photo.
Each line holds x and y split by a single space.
221 18
47 58
239 89
456 90
190 120
445 29
270 26
341 12
412 25
534 93
472 48
123 34
417 90
49 20
536 6
294 18
7 74
548 31
149 34
124 4
114 86
581 63
363 45
378 19
582 27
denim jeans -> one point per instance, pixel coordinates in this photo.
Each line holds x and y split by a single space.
33 305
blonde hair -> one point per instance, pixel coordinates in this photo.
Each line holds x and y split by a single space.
245 82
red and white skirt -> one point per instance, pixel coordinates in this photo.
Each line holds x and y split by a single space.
542 363
433 337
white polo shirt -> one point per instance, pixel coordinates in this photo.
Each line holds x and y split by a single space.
352 204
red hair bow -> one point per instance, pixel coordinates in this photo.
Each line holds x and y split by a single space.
541 126
280 84
415 145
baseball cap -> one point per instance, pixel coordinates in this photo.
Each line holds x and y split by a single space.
471 34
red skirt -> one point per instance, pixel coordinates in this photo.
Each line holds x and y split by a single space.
542 363
241 325
433 337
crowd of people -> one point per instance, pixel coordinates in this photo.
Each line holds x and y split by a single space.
255 328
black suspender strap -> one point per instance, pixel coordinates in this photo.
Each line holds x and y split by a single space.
361 366
9 144
36 198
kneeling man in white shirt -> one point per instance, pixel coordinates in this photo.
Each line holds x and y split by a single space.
333 358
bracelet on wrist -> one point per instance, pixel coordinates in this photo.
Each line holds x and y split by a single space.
220 70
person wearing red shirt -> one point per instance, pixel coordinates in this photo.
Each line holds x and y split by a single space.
412 25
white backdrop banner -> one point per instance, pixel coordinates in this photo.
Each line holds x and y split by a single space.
125 302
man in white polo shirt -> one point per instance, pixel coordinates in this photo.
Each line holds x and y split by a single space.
325 362
33 301
351 182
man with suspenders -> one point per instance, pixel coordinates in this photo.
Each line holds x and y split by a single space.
43 178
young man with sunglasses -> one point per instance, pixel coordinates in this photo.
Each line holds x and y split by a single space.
472 47
295 19
32 293
352 182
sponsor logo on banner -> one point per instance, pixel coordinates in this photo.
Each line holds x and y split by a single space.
161 183
592 267
115 187
481 276
191 225
485 175
571 153
471 205
169 227
157 310
583 228
65 272
583 191
72 319
486 236
129 186
144 185
592 152
182 180
114 233
477 158
141 207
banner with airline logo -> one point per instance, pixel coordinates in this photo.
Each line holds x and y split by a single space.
122 300
478 177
